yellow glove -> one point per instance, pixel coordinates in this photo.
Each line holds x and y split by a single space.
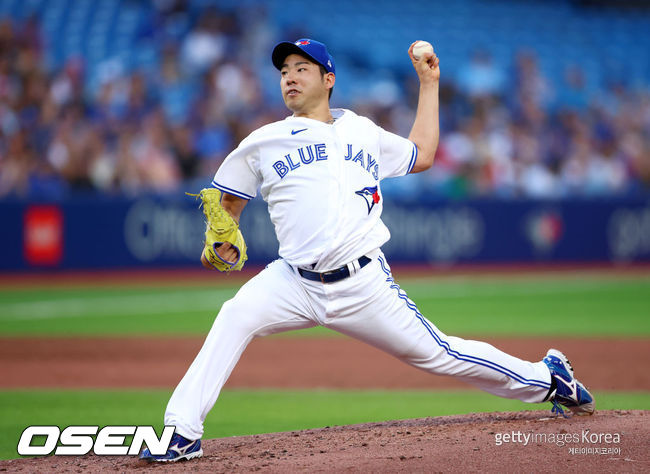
220 228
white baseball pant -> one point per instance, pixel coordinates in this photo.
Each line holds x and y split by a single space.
368 306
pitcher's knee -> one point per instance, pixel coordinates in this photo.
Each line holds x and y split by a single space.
240 318
233 316
431 357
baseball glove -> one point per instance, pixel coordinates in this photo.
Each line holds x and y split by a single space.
220 228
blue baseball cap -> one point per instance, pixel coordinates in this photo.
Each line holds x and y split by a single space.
314 50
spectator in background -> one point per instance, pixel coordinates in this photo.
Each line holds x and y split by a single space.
155 165
480 78
529 83
205 45
177 90
185 153
573 95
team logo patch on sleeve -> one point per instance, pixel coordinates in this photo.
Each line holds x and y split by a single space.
370 195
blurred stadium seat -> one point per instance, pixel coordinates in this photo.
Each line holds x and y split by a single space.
561 56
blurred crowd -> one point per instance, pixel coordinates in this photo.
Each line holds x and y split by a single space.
516 134
505 133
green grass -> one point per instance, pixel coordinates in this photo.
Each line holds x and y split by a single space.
242 412
579 306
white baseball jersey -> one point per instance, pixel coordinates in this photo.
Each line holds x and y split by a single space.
321 183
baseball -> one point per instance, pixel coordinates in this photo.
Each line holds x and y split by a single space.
420 48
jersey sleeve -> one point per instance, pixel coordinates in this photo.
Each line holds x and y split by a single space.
239 173
397 154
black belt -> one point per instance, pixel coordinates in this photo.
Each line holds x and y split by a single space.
332 275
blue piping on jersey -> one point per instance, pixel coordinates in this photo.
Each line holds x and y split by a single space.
414 158
228 190
445 345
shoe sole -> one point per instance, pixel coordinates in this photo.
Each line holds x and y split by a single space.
586 409
184 457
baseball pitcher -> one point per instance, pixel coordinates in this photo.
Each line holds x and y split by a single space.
320 171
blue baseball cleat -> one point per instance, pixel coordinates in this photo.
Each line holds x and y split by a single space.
565 388
179 448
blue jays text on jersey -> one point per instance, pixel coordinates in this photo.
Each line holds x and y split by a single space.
318 152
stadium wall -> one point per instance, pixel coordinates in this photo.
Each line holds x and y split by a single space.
162 232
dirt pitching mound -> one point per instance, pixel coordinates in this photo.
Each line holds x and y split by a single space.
609 441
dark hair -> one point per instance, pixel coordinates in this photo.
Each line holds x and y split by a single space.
323 71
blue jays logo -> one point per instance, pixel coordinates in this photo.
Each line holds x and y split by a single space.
370 195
